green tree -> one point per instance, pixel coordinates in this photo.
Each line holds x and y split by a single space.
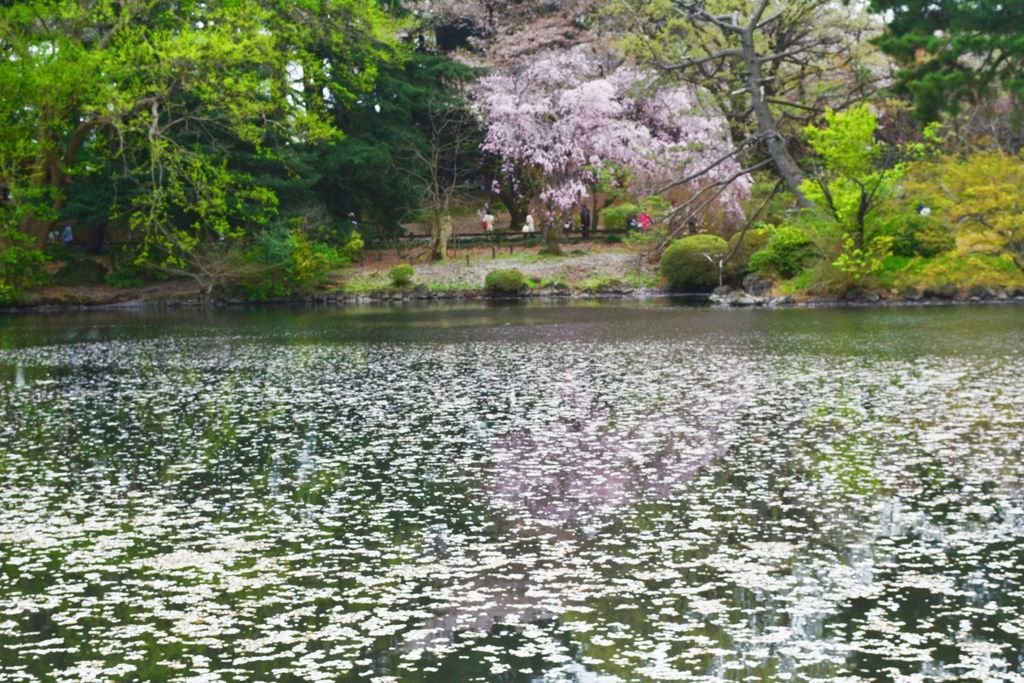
379 169
855 173
171 91
982 195
765 63
953 51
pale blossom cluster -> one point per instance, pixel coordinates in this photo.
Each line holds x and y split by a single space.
573 114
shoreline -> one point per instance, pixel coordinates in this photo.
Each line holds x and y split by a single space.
593 272
735 299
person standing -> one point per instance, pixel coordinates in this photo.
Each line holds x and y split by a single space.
68 236
528 227
585 220
488 219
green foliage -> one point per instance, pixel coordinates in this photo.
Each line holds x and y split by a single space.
847 145
858 174
787 250
692 263
953 51
127 277
656 235
917 235
350 251
860 263
753 240
857 171
932 238
128 271
617 217
655 205
290 263
181 116
960 271
778 204
81 272
402 275
20 265
377 169
505 281
982 194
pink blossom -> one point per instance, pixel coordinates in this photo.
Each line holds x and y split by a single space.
562 113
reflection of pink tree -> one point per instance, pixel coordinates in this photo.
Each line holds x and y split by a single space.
571 464
573 116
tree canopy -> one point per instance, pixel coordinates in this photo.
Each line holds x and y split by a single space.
952 51
173 92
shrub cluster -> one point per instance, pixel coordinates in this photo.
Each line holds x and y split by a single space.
917 235
81 272
753 241
290 263
785 253
401 275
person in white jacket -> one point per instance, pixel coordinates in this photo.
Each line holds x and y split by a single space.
528 226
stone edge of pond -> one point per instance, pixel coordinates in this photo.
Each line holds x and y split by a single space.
738 299
339 299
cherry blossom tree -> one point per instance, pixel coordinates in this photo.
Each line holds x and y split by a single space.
578 115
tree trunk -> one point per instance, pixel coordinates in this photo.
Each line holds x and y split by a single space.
517 206
593 214
97 235
778 150
440 234
551 241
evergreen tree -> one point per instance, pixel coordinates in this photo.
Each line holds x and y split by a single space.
954 51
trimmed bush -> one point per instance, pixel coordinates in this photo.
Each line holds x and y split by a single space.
401 275
506 281
786 252
691 263
616 217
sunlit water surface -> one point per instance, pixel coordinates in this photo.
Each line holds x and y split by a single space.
550 493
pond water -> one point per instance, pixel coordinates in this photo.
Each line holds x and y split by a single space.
628 492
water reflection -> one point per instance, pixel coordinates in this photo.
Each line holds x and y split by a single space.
599 493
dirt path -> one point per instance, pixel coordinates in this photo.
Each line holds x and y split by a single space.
468 268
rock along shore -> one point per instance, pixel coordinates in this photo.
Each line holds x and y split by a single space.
722 297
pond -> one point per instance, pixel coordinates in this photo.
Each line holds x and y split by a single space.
617 492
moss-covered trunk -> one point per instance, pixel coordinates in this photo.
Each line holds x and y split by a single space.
440 233
552 243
